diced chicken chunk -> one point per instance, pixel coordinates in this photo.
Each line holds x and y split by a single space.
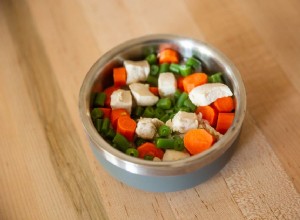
142 95
171 155
167 84
137 71
208 93
121 99
147 127
183 121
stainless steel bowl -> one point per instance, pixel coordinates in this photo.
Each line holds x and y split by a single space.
162 176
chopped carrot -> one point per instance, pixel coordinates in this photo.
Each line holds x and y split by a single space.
208 113
108 91
168 56
106 112
180 83
224 104
149 149
126 126
116 114
119 75
197 141
224 122
193 80
154 90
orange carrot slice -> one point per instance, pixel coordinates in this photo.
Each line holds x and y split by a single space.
116 114
208 113
193 80
149 149
224 122
197 141
126 126
225 104
168 56
119 75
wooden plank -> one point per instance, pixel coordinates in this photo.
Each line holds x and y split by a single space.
269 91
66 154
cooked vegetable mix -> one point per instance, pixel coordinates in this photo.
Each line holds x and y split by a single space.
163 108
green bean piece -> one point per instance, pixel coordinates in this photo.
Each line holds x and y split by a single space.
159 113
188 103
98 124
139 111
139 141
154 69
105 126
148 157
132 152
177 94
175 68
181 99
151 58
164 103
171 116
164 131
193 62
99 99
164 67
110 134
149 112
121 142
185 70
185 109
152 80
178 143
96 113
165 143
215 78
165 118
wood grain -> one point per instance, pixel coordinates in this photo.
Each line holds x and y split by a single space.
48 170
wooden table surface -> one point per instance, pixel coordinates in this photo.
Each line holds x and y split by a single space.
47 168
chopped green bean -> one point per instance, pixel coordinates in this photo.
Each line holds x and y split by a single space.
175 68
152 80
181 99
132 152
185 70
96 113
139 111
185 109
99 99
148 112
188 103
177 94
165 118
193 62
164 131
215 78
105 126
111 134
154 69
164 67
178 143
165 143
148 157
139 142
164 103
151 58
121 142
159 113
98 124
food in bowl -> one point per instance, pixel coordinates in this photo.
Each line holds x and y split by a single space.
163 107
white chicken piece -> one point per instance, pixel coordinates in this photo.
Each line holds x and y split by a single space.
167 84
183 121
208 93
121 99
142 95
137 71
147 127
171 155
